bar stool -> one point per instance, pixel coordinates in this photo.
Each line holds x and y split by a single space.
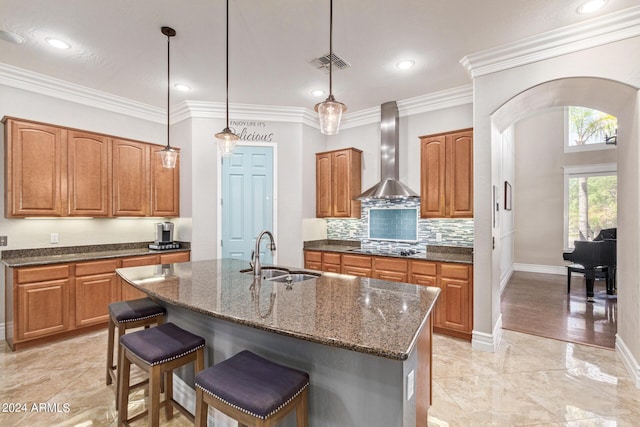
157 351
252 390
143 312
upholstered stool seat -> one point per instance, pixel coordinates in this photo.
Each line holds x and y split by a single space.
252 390
157 351
123 315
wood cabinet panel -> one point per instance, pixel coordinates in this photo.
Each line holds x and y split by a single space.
35 172
174 257
338 183
165 187
323 185
97 267
432 185
424 268
394 269
357 271
41 273
461 175
128 292
89 174
332 262
313 260
93 295
42 308
362 261
446 175
454 308
130 178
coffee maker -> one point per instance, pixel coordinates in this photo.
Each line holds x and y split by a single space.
164 237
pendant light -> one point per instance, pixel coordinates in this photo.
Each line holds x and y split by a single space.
168 154
227 139
330 111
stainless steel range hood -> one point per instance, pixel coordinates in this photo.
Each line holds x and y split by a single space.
389 186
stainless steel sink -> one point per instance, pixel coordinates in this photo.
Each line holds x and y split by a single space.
295 277
268 273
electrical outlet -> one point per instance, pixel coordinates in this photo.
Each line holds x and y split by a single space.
410 384
438 237
3 240
55 238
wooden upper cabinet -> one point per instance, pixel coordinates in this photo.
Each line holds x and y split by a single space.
460 175
432 167
323 185
89 157
35 173
338 183
131 178
165 186
446 177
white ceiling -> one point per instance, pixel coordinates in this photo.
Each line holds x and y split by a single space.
117 46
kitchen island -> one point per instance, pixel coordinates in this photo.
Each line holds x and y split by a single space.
365 343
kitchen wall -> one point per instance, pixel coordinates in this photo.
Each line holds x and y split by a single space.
539 191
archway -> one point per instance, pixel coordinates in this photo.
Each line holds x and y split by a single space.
620 100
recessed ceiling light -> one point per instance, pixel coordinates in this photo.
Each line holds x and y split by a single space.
57 43
11 37
405 64
591 6
182 87
317 92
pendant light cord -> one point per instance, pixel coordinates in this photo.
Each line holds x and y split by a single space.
168 85
227 48
330 47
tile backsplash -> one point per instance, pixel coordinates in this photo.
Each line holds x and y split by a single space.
455 232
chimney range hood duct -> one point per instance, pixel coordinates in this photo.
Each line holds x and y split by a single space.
389 186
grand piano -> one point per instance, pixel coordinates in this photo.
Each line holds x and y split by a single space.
595 259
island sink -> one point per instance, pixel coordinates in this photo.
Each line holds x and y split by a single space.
283 275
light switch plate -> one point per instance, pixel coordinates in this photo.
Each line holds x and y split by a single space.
3 240
55 238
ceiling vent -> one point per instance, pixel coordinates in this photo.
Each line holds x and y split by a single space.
322 63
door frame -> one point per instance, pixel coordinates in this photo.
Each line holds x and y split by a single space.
274 147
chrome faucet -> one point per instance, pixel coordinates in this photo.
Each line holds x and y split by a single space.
255 255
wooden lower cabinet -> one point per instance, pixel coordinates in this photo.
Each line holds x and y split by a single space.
313 260
331 262
394 269
357 265
96 286
61 299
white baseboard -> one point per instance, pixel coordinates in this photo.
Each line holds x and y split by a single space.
629 362
505 278
488 342
546 269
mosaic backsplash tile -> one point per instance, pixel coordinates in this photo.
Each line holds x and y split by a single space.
455 232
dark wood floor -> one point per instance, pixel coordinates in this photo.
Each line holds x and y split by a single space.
538 304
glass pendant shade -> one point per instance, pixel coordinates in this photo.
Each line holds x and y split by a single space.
330 113
227 142
168 156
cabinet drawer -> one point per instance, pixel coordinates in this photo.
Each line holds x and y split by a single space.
391 264
455 271
331 258
96 267
38 274
424 268
174 257
357 271
140 260
393 276
313 256
356 261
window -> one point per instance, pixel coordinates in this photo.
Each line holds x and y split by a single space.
591 201
588 129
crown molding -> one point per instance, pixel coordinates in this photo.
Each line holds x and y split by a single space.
454 97
20 78
595 32
217 110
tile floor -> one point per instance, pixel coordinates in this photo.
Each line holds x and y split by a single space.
529 381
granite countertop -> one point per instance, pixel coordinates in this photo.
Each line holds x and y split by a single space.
366 315
457 254
44 256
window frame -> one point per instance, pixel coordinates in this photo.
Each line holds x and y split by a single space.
581 148
600 169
